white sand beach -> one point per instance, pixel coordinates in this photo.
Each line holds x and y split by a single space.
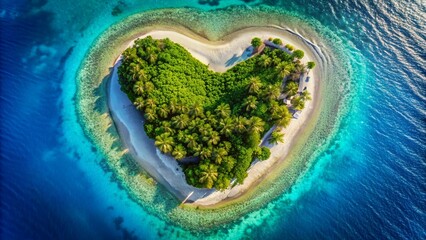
219 56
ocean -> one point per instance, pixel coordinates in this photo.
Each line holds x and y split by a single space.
367 181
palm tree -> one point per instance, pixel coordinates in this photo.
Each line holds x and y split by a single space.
250 103
135 68
272 92
254 85
208 175
191 140
181 121
219 154
181 108
206 152
283 116
139 103
150 115
240 124
256 125
298 70
226 126
196 110
179 152
283 69
291 88
164 142
149 86
214 138
150 103
266 61
276 137
142 75
204 129
223 110
163 111
210 118
138 88
167 127
173 106
298 103
306 96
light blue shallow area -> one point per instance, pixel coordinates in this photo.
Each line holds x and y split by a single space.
368 183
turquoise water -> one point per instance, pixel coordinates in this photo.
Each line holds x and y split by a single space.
366 180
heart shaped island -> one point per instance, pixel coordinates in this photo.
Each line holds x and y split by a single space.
207 119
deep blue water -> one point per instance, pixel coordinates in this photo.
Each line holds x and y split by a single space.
369 184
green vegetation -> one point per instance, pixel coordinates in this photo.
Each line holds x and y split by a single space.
277 41
310 65
289 47
256 42
218 118
298 54
276 137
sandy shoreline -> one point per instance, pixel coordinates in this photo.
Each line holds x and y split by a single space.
231 50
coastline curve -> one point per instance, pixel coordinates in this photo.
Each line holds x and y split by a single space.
93 112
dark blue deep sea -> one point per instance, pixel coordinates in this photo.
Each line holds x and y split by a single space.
370 184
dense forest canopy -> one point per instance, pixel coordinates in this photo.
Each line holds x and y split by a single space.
217 118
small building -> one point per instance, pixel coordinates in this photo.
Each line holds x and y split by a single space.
296 115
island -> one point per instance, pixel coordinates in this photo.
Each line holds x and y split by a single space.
200 117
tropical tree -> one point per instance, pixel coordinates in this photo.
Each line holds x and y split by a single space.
283 116
289 47
272 92
311 65
206 153
191 141
208 175
276 137
291 88
179 152
163 111
164 142
180 121
298 54
173 106
139 103
167 127
138 88
254 85
306 96
256 42
150 115
240 124
277 41
266 61
214 138
223 110
226 126
181 108
219 154
150 103
256 125
211 119
284 69
298 103
250 103
149 86
196 110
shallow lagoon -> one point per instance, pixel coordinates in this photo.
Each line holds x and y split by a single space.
366 181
